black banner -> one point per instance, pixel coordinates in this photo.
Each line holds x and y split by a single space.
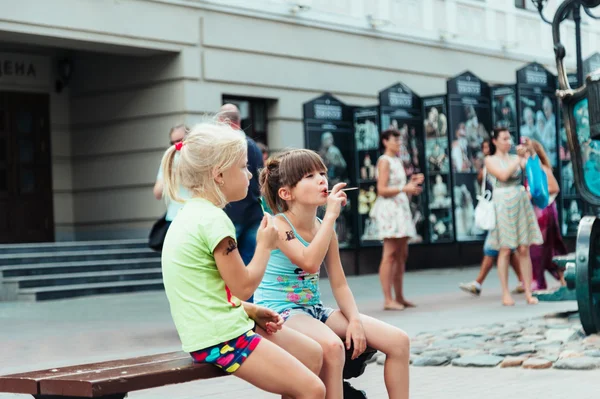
328 130
470 124
400 109
437 169
366 136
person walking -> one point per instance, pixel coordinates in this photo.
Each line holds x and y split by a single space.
490 255
516 225
547 218
246 214
159 230
393 218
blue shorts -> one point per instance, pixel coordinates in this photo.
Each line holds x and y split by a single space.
487 251
318 312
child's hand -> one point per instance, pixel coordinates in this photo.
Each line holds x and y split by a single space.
355 335
336 200
267 233
267 319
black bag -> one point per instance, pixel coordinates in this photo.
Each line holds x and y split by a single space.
158 233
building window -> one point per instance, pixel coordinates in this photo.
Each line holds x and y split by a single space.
525 5
253 112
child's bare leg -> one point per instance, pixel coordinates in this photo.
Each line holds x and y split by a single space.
334 353
263 370
388 339
303 348
486 265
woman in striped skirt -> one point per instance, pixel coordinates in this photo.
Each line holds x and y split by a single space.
516 225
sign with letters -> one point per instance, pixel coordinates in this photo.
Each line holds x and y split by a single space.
24 70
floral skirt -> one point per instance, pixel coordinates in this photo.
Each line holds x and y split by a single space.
393 218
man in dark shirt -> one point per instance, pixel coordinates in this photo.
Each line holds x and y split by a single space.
246 214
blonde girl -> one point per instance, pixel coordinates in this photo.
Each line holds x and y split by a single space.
295 186
204 274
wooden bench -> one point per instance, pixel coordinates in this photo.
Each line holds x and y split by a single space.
114 379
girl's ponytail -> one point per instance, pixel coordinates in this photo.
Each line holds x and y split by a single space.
170 175
269 181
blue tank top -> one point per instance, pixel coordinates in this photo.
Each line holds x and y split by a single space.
285 285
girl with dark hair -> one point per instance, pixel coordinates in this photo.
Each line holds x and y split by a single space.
393 218
295 186
516 225
489 255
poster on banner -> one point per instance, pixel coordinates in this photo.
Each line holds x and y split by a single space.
470 124
400 109
537 105
328 131
366 136
437 169
504 109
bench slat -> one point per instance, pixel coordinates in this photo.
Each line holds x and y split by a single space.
128 379
28 383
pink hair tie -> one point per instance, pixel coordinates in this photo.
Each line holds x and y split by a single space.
179 145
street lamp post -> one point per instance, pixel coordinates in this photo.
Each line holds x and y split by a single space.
575 10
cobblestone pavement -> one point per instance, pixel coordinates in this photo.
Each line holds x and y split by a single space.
58 333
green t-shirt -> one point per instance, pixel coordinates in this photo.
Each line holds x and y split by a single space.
203 309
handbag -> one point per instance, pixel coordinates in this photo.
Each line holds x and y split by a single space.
537 182
485 214
158 233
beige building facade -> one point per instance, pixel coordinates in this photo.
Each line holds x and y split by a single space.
110 77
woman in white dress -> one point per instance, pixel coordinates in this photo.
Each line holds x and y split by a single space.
394 221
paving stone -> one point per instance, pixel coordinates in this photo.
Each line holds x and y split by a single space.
552 357
578 336
529 339
563 335
559 326
547 344
417 350
512 361
425 336
568 354
478 332
537 363
578 363
460 343
471 352
509 330
425 361
514 350
534 331
592 353
592 340
478 361
448 353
